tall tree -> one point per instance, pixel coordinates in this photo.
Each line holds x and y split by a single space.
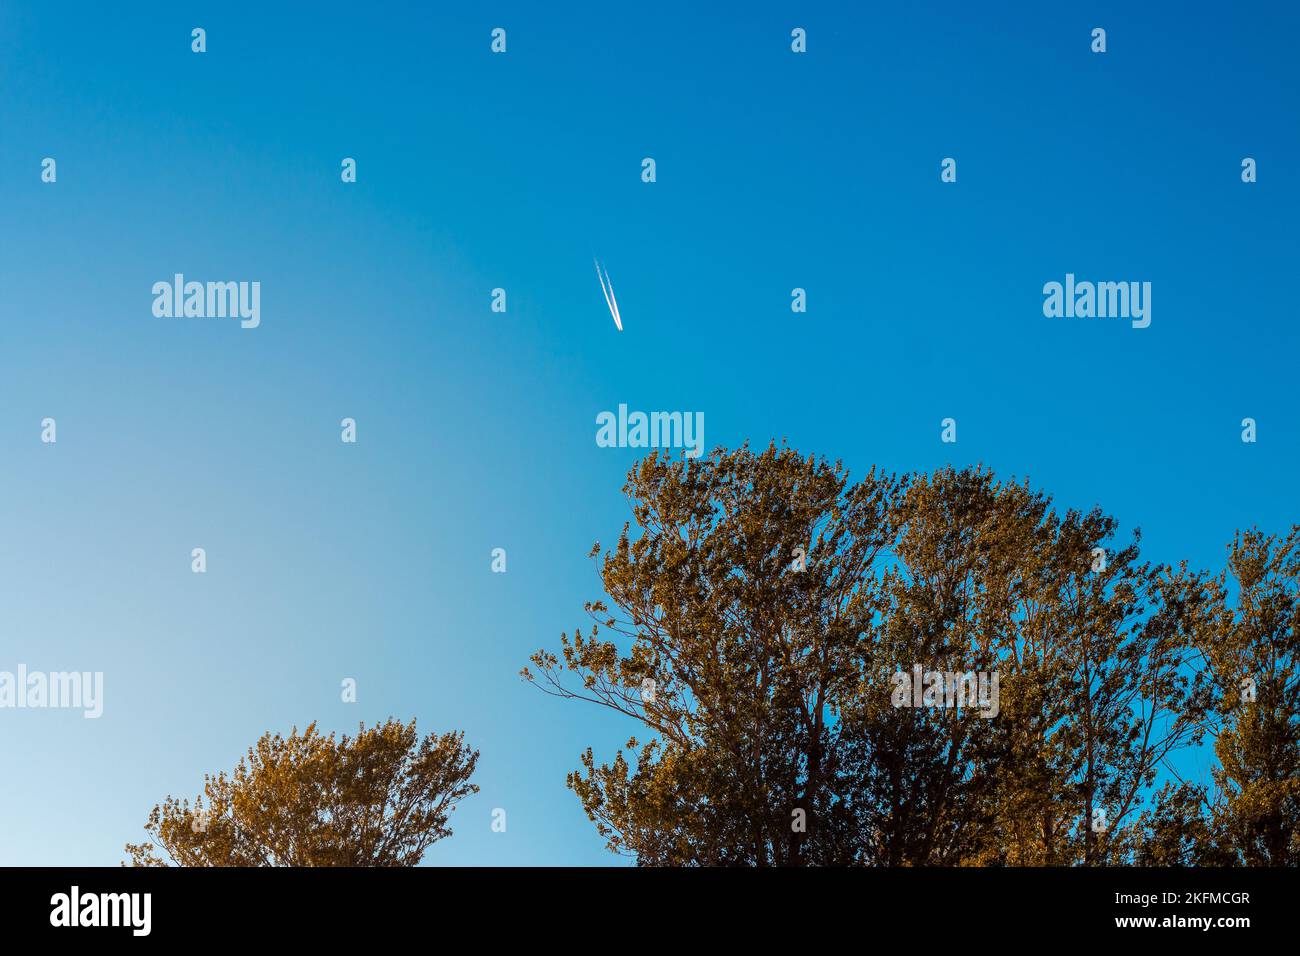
743 599
1254 659
768 604
380 798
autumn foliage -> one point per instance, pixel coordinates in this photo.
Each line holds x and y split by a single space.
760 603
379 798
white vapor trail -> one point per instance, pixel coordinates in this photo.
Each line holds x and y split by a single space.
607 287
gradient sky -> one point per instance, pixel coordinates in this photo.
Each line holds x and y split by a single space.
476 430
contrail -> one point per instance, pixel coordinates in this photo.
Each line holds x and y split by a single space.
607 287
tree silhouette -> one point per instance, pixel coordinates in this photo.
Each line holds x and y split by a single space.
380 798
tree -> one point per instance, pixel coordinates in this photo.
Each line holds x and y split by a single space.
745 633
380 798
768 604
1253 656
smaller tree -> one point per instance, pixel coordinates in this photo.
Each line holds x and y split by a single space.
380 798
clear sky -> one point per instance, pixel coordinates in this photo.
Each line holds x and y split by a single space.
476 429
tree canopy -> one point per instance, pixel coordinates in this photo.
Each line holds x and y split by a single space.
380 798
761 607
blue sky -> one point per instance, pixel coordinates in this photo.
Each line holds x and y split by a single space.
476 429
